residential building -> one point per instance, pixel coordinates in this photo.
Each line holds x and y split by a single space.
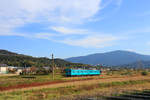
3 69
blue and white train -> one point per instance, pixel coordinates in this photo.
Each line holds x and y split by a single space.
81 72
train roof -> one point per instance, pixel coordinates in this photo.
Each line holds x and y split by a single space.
80 69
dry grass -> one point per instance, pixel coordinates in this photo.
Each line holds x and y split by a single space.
86 82
107 91
3 75
79 89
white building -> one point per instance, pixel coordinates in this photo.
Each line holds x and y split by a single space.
3 69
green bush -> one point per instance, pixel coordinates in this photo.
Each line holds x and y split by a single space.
144 73
42 71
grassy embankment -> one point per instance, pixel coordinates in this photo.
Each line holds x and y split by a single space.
10 81
76 91
6 81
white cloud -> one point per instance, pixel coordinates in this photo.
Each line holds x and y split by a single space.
139 31
13 34
17 13
119 2
97 41
148 43
90 41
47 36
60 10
131 50
69 31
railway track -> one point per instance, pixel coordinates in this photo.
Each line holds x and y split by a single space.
134 96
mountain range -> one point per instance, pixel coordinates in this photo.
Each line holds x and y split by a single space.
114 58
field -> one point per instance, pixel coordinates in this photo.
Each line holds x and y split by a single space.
71 88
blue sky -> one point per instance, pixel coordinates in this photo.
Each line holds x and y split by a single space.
74 27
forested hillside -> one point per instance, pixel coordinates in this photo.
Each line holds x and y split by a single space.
14 59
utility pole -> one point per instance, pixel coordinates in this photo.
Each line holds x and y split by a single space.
140 65
53 65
